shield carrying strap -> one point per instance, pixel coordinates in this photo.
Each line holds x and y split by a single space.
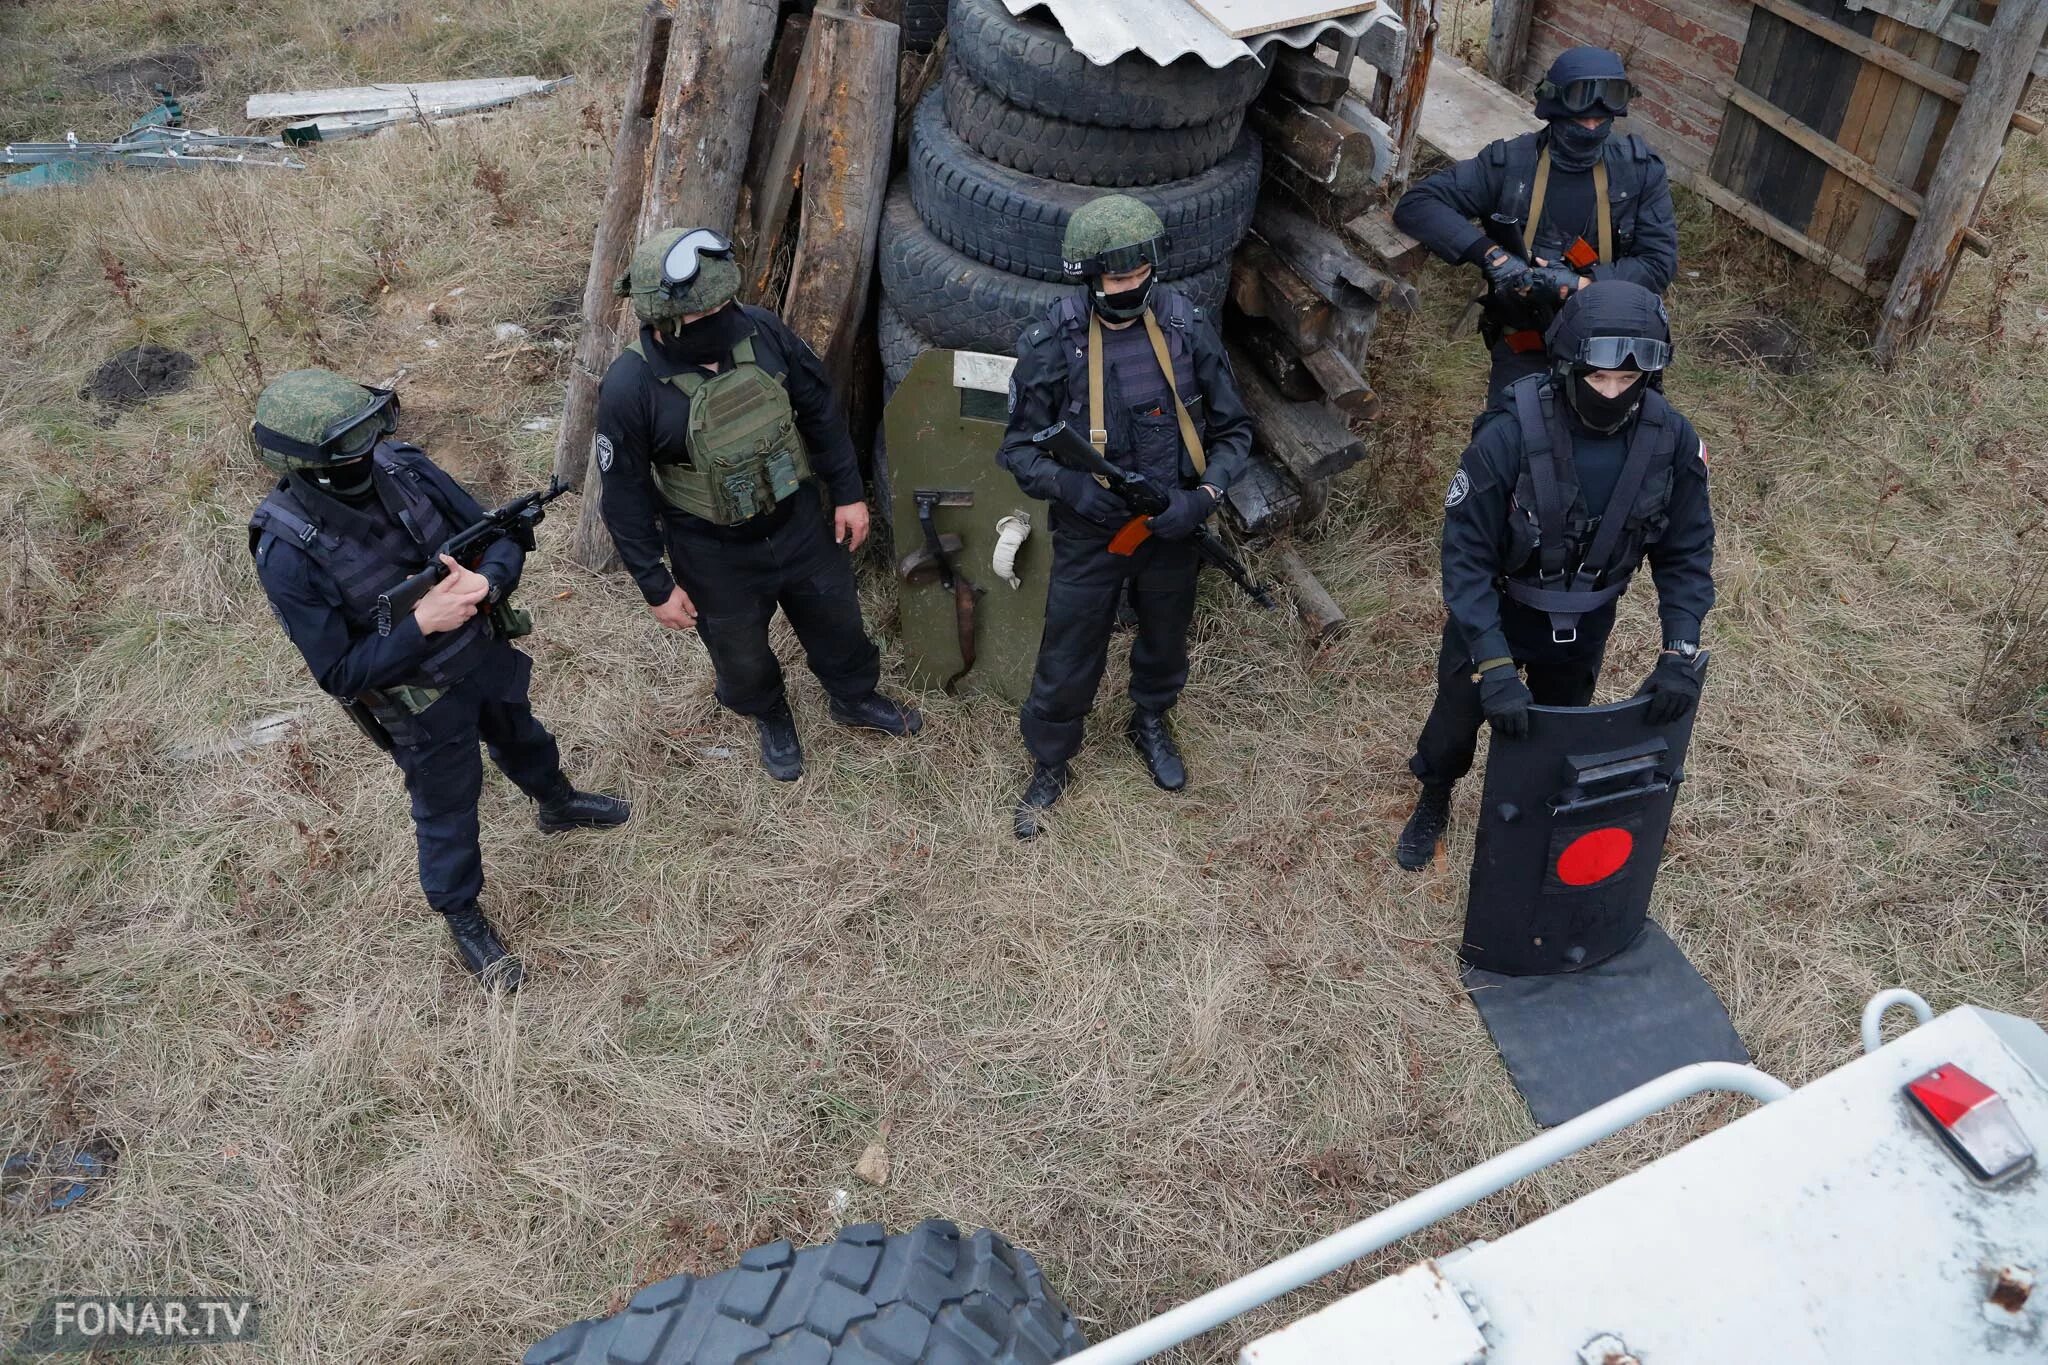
1600 198
1099 436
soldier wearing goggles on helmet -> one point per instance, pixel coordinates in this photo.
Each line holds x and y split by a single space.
1132 363
1554 210
713 429
1568 486
355 513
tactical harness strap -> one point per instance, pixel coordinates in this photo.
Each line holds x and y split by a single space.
1097 406
1546 445
1600 198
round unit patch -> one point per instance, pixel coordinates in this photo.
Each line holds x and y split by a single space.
604 455
1461 484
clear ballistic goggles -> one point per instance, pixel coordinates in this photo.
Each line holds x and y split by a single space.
1582 97
679 268
346 439
1120 261
1623 353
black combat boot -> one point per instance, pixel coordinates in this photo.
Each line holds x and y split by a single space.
781 754
1152 739
482 952
581 810
1425 827
877 712
1048 781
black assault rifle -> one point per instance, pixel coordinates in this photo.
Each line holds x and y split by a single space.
514 521
1146 500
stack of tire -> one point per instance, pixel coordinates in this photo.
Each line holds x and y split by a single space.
1022 130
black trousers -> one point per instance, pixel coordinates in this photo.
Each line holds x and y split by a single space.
1080 612
444 772
1557 674
1510 365
738 584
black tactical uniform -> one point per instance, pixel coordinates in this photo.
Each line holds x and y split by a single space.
1545 522
324 561
1563 163
1051 385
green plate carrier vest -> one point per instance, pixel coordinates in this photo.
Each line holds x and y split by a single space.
746 454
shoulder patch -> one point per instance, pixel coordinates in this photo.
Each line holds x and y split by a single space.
1461 487
603 451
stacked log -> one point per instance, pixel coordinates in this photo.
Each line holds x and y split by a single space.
776 132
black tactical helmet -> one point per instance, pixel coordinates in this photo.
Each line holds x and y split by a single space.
1584 82
1608 325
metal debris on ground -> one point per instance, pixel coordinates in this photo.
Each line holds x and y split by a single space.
332 115
157 140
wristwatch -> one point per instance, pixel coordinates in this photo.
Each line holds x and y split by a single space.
1687 650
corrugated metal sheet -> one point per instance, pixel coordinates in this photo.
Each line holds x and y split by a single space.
1167 29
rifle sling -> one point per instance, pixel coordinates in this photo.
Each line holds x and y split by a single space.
1099 436
1600 198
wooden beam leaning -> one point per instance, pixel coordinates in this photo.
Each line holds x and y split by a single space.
1507 38
1975 142
1319 611
1847 162
850 132
611 248
1898 63
778 164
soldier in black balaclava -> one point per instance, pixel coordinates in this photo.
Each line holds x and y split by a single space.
1570 483
1586 205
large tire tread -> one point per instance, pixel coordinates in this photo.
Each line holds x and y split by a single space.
1016 222
928 1295
1081 153
1030 63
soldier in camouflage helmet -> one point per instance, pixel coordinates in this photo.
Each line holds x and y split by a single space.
714 428
354 513
1134 364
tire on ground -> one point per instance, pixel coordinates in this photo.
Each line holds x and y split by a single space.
962 304
900 345
1081 153
922 20
1015 221
926 1295
1030 63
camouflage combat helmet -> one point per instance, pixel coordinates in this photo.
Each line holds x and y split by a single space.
702 276
1112 235
312 419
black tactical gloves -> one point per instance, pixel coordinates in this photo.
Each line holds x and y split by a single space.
1091 499
1505 699
1673 688
1507 276
1189 509
1553 283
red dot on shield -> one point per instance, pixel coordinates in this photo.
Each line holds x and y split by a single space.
1595 856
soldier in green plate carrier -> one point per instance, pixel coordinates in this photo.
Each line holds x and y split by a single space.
713 427
1139 369
354 514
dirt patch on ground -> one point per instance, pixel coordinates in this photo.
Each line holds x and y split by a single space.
138 374
1770 342
181 69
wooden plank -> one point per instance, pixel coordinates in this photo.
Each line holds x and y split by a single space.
1844 269
851 133
780 166
611 247
1965 33
430 97
1249 18
1880 229
1968 159
1327 262
1319 611
1847 162
718 50
1462 111
1407 88
1948 87
1396 250
1507 38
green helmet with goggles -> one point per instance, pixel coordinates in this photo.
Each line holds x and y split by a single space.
680 272
1114 235
311 420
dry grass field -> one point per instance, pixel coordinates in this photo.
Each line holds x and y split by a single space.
1172 1040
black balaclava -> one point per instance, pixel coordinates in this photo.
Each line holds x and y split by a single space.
1604 308
1573 147
349 480
708 340
1126 306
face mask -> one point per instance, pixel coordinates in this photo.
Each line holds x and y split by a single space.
1124 307
708 340
1574 147
350 480
1599 412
